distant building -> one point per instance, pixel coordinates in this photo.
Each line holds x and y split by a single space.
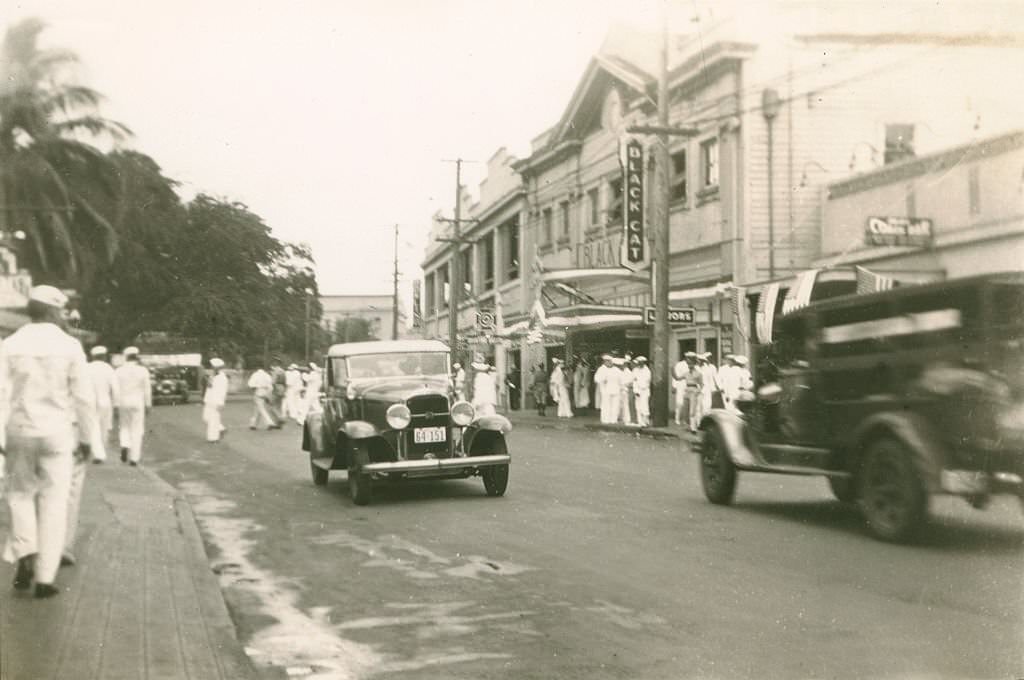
376 309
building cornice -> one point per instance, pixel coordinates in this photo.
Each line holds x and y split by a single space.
927 165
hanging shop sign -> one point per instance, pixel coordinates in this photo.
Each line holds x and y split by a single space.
601 253
677 316
634 255
898 231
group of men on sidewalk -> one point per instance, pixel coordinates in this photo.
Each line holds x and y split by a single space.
280 395
699 386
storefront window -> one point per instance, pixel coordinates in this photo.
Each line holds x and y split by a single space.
709 163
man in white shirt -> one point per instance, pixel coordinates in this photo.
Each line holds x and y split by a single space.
214 398
608 384
107 391
262 386
48 418
136 398
710 384
642 388
292 392
625 390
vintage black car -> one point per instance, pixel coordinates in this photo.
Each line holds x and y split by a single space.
169 384
892 396
389 412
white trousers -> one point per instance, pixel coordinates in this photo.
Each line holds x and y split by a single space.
261 413
38 483
214 426
625 416
292 403
564 405
101 433
610 408
133 428
643 407
74 503
696 408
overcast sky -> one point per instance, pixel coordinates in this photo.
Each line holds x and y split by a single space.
331 118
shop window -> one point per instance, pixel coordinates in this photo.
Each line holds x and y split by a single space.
678 188
614 213
445 287
899 142
709 163
511 231
594 203
545 231
487 266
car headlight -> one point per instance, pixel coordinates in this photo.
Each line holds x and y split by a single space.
398 416
463 413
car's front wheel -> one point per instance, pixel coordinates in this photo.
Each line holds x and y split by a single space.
319 474
360 486
892 497
496 476
717 473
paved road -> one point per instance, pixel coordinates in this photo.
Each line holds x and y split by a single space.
603 561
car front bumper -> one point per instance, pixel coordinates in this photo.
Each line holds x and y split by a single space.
437 465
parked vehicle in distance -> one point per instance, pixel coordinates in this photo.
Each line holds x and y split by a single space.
169 384
892 396
389 412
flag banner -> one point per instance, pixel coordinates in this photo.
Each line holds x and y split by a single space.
766 312
799 295
870 282
739 312
417 313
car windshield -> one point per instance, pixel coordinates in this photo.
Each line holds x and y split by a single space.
396 364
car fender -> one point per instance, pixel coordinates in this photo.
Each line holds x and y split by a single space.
483 431
733 430
928 453
357 429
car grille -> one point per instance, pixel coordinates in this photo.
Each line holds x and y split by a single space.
428 410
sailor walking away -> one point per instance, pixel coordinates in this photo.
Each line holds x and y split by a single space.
292 392
106 389
581 383
560 388
48 417
607 388
262 386
642 389
485 391
214 398
136 398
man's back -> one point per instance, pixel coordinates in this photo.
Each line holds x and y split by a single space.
133 384
104 382
47 389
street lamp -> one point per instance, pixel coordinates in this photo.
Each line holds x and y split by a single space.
309 295
803 173
770 105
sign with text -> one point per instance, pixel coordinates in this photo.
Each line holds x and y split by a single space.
898 231
677 316
634 244
602 253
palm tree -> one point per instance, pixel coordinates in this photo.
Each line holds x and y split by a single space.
50 175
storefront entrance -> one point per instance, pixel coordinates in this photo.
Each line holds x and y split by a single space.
699 340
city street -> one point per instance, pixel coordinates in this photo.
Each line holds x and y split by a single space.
602 561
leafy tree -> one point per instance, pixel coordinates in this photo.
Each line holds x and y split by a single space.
355 329
46 169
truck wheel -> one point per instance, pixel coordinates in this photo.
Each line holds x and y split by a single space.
319 474
360 486
892 497
843 489
717 473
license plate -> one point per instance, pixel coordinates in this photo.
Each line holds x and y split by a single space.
429 435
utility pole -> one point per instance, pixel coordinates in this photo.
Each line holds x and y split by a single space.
306 324
394 295
455 284
660 380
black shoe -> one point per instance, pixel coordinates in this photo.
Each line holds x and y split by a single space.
133 463
97 461
124 454
23 577
46 590
68 560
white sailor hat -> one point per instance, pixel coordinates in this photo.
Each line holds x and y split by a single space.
641 358
131 351
619 361
689 354
216 362
456 365
48 295
479 366
313 366
607 357
98 350
556 360
740 359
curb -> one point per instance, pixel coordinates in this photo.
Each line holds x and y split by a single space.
221 634
652 432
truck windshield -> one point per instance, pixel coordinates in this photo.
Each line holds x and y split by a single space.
397 364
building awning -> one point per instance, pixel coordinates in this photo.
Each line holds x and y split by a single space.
700 293
597 274
580 317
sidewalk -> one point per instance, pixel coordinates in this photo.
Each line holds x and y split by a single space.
142 601
590 420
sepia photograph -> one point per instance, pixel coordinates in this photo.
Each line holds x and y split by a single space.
512 339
